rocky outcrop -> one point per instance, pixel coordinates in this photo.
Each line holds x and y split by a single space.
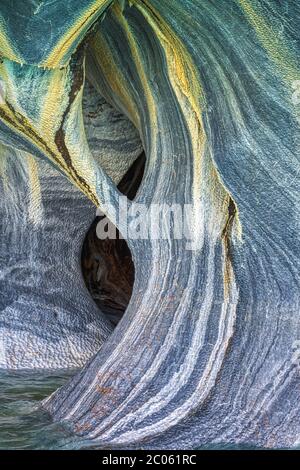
208 348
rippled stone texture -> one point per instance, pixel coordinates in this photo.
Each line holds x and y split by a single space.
48 320
207 348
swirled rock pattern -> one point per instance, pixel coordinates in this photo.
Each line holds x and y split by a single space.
48 320
207 350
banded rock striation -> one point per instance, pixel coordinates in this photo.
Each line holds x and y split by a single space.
206 351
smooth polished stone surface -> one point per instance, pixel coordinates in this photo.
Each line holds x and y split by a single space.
208 348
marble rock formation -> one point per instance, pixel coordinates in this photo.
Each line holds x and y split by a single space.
207 350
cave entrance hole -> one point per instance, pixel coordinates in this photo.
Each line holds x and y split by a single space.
107 265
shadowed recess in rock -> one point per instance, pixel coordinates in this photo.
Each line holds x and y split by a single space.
107 265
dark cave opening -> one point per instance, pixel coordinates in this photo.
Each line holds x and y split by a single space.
107 265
